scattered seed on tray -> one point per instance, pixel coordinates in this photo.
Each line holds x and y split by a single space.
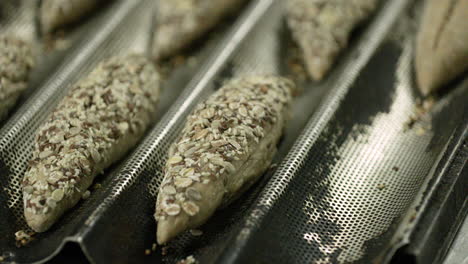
188 260
86 195
23 238
196 232
164 250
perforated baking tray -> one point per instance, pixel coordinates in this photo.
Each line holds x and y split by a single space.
125 28
354 171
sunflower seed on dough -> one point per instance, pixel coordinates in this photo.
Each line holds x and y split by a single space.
321 28
62 170
226 166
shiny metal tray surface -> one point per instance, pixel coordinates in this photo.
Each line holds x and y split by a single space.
355 172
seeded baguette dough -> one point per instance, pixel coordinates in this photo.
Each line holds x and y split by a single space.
57 13
227 143
179 22
322 28
16 62
101 118
442 44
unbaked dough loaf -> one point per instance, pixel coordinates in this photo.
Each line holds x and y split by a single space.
57 13
16 62
321 28
227 143
442 43
180 22
100 119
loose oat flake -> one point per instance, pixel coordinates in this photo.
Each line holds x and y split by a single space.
188 260
23 238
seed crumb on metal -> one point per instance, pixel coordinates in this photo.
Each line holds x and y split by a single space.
188 260
21 234
86 195
23 238
164 250
196 232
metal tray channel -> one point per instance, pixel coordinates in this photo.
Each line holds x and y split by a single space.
125 28
128 215
349 177
356 175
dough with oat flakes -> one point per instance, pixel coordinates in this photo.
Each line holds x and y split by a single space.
322 29
227 143
101 118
